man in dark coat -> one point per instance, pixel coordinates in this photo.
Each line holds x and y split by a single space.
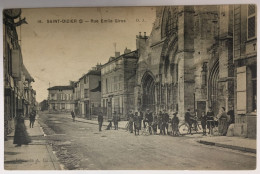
73 115
131 121
100 120
115 119
210 120
32 118
175 124
137 123
188 119
165 121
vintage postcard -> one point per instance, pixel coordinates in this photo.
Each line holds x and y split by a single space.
130 88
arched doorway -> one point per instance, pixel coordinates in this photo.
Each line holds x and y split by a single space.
148 92
213 87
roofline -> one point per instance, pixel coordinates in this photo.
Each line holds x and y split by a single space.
119 57
60 86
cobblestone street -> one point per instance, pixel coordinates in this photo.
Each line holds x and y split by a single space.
80 145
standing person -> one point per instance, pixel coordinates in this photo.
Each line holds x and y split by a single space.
223 125
163 124
141 117
175 124
166 119
100 120
115 119
20 134
210 119
136 123
73 115
203 122
149 116
32 118
188 120
131 121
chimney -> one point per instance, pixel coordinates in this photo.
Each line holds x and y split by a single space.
117 54
127 50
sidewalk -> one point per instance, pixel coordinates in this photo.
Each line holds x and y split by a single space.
37 155
235 143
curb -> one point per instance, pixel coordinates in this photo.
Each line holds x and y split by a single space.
53 157
244 149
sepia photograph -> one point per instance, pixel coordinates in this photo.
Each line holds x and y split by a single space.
130 88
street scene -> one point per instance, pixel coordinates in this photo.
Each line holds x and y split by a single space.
130 88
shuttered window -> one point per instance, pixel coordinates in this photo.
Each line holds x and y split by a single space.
251 21
241 90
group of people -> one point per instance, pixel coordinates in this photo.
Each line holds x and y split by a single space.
153 121
210 121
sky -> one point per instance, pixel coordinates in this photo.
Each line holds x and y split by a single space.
55 53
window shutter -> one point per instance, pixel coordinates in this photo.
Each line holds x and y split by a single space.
16 64
241 90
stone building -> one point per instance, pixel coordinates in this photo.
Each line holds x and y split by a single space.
118 81
76 97
245 59
172 67
198 57
90 92
60 99
18 93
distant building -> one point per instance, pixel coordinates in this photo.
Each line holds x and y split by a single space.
88 91
118 81
61 99
43 106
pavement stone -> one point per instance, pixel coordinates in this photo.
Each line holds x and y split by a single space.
36 156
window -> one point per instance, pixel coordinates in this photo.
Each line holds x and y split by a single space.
85 80
251 22
106 86
86 93
241 90
169 21
62 105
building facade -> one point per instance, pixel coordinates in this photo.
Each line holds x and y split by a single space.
60 99
245 59
90 93
172 67
19 97
198 57
118 81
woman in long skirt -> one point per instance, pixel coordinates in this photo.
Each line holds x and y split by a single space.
20 134
223 124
